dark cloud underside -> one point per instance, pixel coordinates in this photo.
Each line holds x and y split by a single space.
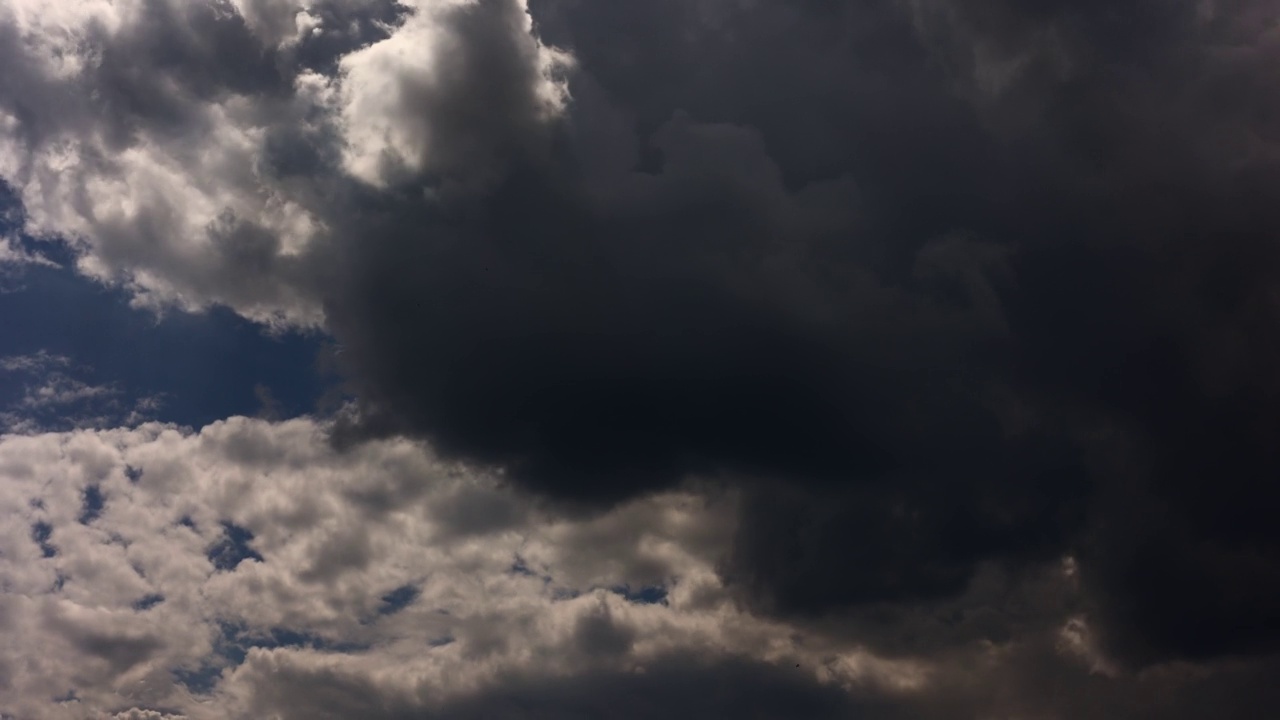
991 282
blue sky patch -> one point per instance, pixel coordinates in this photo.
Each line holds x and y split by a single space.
92 504
646 595
146 602
199 681
189 369
233 548
398 599
42 534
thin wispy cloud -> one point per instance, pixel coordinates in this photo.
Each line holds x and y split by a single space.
54 398
12 255
35 363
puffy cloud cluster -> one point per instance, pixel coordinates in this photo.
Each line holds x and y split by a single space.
189 149
250 570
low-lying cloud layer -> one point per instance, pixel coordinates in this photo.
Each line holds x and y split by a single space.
249 570
941 295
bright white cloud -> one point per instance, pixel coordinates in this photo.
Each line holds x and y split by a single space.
394 91
157 135
123 562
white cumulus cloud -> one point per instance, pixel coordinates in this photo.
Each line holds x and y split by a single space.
236 571
160 137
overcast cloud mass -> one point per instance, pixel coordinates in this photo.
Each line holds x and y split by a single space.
695 358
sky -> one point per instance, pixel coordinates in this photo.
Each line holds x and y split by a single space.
517 359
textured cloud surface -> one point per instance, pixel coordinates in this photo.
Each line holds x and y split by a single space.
249 570
192 148
962 316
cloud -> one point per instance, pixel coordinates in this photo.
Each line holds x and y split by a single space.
54 398
14 259
987 285
458 87
37 362
12 254
62 390
134 613
165 139
934 289
138 598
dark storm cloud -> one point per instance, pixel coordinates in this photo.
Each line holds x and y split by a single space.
678 686
1037 684
970 309
992 282
446 629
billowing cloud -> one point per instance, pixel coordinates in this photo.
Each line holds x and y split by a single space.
941 294
986 285
231 572
250 570
165 138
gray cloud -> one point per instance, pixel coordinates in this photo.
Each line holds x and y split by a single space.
136 602
938 295
36 362
130 619
1020 301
